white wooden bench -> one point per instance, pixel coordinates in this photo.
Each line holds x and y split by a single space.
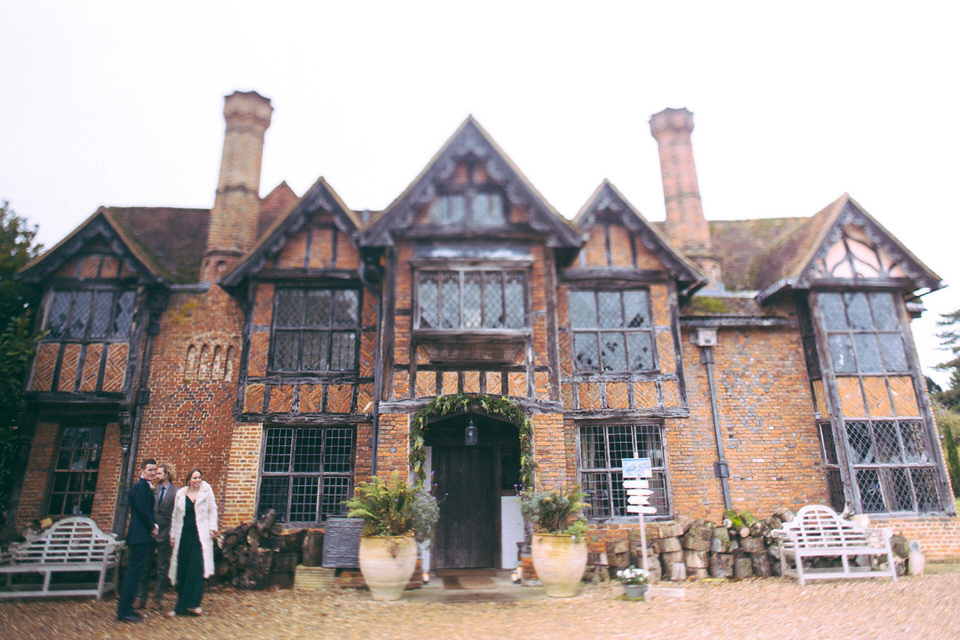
71 546
817 531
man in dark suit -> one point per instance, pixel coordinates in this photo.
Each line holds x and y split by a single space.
143 526
166 494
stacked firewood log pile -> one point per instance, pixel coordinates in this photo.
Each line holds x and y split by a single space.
739 546
258 554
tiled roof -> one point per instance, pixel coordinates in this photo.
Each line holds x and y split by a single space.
175 239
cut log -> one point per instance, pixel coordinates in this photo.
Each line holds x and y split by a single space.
720 540
721 565
761 564
256 575
698 536
695 559
785 515
742 567
673 566
670 545
752 544
313 549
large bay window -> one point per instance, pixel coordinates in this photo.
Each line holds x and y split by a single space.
471 299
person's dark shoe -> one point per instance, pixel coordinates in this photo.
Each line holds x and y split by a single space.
131 617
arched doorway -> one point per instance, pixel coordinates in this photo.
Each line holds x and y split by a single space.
474 482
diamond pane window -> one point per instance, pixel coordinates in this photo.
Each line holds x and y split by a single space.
612 331
471 300
601 450
892 472
306 472
87 315
315 330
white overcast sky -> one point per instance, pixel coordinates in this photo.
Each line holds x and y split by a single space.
120 103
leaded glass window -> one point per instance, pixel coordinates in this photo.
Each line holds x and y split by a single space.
612 331
306 472
601 450
89 314
864 333
893 465
315 330
474 207
471 299
76 470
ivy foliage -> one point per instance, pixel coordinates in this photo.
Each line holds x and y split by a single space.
17 342
462 403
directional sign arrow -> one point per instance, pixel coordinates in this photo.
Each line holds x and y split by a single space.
639 492
636 484
640 509
637 499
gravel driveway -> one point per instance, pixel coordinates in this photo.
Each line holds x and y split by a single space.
918 607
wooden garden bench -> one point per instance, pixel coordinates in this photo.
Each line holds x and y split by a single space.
817 531
71 546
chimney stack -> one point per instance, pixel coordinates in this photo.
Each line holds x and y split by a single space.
236 210
686 226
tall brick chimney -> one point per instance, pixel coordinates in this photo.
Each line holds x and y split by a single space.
233 219
686 226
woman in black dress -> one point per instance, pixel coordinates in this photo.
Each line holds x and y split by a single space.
192 531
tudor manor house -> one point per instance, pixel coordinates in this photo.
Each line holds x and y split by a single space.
285 345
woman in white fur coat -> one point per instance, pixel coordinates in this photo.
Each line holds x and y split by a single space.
192 532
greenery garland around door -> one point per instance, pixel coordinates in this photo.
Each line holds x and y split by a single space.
497 406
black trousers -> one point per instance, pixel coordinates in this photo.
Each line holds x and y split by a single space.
132 577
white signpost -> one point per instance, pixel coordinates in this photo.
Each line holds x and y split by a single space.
635 474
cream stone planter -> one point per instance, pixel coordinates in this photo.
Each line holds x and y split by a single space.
559 561
387 562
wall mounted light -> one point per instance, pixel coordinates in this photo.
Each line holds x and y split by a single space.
470 435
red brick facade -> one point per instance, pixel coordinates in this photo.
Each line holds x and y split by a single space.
197 382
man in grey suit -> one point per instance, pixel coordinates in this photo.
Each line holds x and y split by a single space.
165 494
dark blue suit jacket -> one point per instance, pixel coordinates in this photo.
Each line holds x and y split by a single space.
141 513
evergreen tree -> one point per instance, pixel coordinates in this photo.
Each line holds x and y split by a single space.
950 341
17 304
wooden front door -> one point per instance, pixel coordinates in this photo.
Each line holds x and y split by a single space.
467 532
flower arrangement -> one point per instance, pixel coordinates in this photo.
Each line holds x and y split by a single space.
394 508
633 575
555 511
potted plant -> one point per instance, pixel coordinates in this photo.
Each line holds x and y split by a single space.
635 581
558 544
396 516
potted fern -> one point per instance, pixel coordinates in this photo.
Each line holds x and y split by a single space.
558 545
396 516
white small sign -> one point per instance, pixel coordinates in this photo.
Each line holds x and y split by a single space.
640 509
639 492
637 468
637 499
636 484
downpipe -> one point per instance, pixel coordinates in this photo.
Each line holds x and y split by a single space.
720 467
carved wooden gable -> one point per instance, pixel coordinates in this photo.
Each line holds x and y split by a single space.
470 187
